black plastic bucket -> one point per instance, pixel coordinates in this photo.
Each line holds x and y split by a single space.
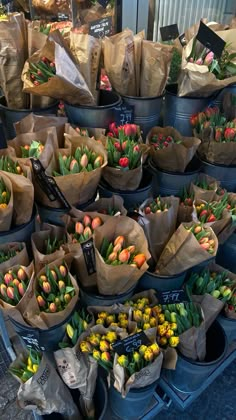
10 116
161 283
134 405
190 375
225 174
91 297
95 116
226 255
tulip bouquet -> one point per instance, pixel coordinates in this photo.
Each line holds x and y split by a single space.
78 324
203 236
115 319
5 195
9 165
10 252
185 206
156 206
6 203
84 160
131 131
80 231
99 346
113 206
204 188
42 71
13 285
28 367
33 150
230 307
169 150
136 361
117 253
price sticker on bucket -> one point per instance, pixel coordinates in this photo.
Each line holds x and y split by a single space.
131 343
124 114
172 296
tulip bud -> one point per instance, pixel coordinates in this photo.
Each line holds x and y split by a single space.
85 347
67 298
124 145
111 336
124 162
21 274
10 292
43 278
8 278
118 146
61 285
21 289
123 360
94 340
155 349
74 164
124 323
79 228
46 287
52 307
136 357
87 232
227 293
69 331
131 249
105 356
199 61
96 354
98 162
63 270
117 248
53 273
139 259
142 349
41 301
161 330
96 222
110 318
124 256
100 321
215 293
148 355
112 256
104 345
119 240
57 301
161 318
3 290
16 282
87 220
102 315
209 58
173 341
163 341
153 321
84 161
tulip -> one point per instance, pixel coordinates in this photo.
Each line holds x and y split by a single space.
161 330
194 120
21 274
46 287
112 256
146 326
199 61
102 315
84 161
42 278
148 355
157 309
117 247
169 333
74 164
124 323
124 256
105 356
85 347
146 318
79 228
136 148
52 307
174 341
123 360
128 130
98 162
87 220
124 162
63 270
21 289
41 301
96 354
67 298
124 145
137 315
10 292
110 318
153 321
139 259
163 341
96 222
111 336
136 357
53 273
61 285
3 289
8 278
230 133
113 128
142 349
94 340
117 145
69 331
119 240
197 229
155 349
131 249
87 232
218 134
161 318
100 321
104 345
209 58
122 315
205 246
227 293
174 326
16 282
215 293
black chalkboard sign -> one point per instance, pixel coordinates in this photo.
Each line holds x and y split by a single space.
89 255
31 339
210 39
124 114
101 27
169 32
131 343
172 296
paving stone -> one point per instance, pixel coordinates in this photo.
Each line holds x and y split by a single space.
3 402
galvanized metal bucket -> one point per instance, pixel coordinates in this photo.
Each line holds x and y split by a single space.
10 116
147 111
132 199
226 255
190 374
229 327
161 283
94 116
178 110
171 183
218 101
225 174
91 297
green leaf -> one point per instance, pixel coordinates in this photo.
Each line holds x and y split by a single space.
69 289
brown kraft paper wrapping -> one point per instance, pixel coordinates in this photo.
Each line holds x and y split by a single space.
38 242
183 251
144 377
200 193
216 152
159 227
218 226
138 39
118 51
80 187
155 68
113 203
196 80
113 280
192 342
23 197
20 258
6 214
43 320
45 393
184 214
68 83
123 180
175 157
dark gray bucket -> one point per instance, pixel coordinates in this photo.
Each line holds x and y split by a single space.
190 375
161 283
178 110
95 116
218 101
132 199
226 255
229 327
91 297
53 215
10 116
225 174
147 111
134 405
172 183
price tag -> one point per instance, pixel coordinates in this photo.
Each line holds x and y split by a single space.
89 256
210 39
31 340
101 27
169 32
182 40
124 114
131 344
103 3
172 296
48 184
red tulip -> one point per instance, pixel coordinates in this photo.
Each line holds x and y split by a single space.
96 222
124 256
230 133
87 220
218 134
117 145
124 162
10 292
136 148
8 278
124 145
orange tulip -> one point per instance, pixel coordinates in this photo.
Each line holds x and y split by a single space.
139 259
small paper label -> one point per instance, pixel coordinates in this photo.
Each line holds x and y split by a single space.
169 32
172 296
124 114
89 256
101 27
131 344
210 39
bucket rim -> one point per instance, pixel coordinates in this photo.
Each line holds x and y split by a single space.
64 209
151 164
143 98
97 107
20 227
225 318
103 385
29 110
205 161
106 297
207 98
149 273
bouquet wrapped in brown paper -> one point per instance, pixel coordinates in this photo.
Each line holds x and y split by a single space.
59 76
6 203
13 47
159 222
138 40
51 7
190 245
185 209
192 342
113 206
54 297
204 188
44 392
77 170
13 253
48 245
155 68
197 77
121 253
213 214
169 150
118 51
